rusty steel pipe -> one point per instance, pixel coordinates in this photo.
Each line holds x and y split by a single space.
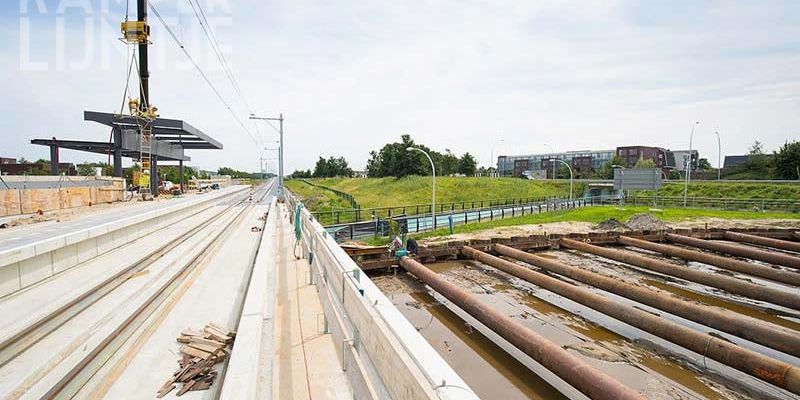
789 277
762 241
744 327
590 381
768 369
731 285
737 250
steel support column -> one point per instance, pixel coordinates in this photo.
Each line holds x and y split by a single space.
180 174
154 177
54 159
117 134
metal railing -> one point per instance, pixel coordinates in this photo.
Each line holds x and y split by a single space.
423 222
783 205
342 216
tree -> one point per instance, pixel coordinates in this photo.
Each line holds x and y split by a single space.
332 167
300 174
606 171
645 163
757 161
787 161
703 164
467 165
394 160
86 169
22 160
447 163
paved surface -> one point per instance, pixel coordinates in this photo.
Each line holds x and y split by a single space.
35 233
305 364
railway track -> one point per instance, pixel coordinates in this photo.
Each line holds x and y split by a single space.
79 337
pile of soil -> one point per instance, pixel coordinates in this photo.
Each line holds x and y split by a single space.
646 222
612 224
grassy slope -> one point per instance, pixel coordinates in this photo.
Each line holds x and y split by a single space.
316 199
599 214
788 190
381 192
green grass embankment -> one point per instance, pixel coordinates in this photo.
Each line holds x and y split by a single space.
744 190
598 214
384 192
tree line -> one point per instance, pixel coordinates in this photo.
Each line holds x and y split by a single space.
394 159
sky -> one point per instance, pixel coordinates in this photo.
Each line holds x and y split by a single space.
485 77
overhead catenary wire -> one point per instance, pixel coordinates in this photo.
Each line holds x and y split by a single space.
201 72
209 32
200 15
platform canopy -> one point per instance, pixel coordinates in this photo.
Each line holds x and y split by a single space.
170 138
172 131
105 148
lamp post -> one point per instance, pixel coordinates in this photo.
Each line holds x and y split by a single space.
689 165
280 146
492 154
433 186
621 183
719 156
553 152
553 160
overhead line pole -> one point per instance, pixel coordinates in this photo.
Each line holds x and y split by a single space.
280 147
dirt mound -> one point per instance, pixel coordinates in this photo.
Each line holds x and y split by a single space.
612 224
646 222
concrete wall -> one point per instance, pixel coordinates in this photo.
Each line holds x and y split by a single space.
30 196
383 354
26 265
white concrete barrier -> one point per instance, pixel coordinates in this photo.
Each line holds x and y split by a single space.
381 352
254 331
29 263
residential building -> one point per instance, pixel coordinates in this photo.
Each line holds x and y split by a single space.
732 161
578 160
630 155
681 156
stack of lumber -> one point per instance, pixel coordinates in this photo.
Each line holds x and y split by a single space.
200 352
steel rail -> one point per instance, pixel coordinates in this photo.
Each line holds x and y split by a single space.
20 341
91 362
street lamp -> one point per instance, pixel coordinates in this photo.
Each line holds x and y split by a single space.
689 165
553 152
280 147
622 182
433 187
719 156
492 153
553 160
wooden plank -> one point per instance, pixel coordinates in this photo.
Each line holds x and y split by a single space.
194 352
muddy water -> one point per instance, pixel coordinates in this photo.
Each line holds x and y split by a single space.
488 369
765 311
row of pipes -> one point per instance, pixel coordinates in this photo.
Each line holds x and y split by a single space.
594 383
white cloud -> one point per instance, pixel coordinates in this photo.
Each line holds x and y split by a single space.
350 77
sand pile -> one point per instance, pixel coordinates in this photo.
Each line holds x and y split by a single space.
646 222
612 224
